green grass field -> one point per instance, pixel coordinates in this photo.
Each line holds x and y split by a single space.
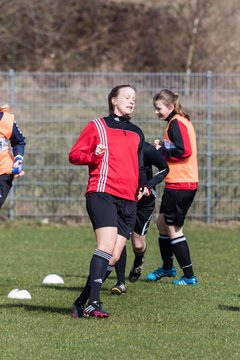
152 321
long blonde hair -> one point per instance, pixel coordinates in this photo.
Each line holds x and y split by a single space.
167 97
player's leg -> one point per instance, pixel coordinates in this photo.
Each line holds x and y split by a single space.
145 208
167 269
139 247
97 273
5 186
120 268
179 243
126 221
103 214
118 260
164 243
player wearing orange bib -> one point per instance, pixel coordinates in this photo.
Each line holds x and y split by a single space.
10 163
181 183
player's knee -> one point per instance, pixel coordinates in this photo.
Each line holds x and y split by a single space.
161 225
158 223
114 259
138 248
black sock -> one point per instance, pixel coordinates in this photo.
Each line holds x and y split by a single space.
109 270
81 300
120 266
98 269
166 251
181 251
139 258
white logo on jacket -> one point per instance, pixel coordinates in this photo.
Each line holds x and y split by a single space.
3 144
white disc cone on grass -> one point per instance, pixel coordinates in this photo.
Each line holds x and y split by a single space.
19 294
53 279
12 293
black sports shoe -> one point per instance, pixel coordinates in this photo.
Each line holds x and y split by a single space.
135 273
77 311
119 288
94 309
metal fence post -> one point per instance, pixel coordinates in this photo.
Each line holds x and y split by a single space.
11 103
209 146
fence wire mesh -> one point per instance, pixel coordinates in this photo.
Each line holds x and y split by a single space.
52 108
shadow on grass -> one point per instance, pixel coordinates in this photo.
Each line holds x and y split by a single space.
42 308
38 308
60 287
68 288
74 276
114 278
84 276
229 307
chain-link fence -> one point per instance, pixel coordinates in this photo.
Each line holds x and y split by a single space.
52 108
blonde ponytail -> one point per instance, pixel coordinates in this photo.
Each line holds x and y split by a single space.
5 108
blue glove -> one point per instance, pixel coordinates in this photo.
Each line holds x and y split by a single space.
17 165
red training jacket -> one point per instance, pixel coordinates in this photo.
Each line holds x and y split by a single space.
119 170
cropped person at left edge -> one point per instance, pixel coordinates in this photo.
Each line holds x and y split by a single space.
112 147
10 165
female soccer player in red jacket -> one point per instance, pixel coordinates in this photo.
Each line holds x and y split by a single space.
112 148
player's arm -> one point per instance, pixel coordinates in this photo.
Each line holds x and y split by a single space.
144 188
86 150
158 160
17 141
142 174
179 137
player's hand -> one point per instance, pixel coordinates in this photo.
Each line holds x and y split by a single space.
157 143
100 148
17 165
144 191
154 193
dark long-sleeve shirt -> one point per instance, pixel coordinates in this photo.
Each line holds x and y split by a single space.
17 139
152 157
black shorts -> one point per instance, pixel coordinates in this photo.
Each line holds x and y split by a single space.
107 210
5 186
145 208
175 205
